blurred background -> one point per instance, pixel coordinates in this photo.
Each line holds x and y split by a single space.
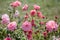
49 8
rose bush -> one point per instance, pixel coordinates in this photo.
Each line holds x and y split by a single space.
29 27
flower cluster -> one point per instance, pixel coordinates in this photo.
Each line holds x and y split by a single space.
31 25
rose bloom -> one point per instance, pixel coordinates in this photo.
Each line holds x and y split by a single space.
5 16
51 25
5 19
26 16
15 4
33 12
7 38
40 15
12 26
16 13
45 34
26 26
25 7
36 7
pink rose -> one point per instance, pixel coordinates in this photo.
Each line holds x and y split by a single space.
26 26
25 7
51 25
15 4
5 19
12 26
7 38
40 15
36 7
5 16
33 12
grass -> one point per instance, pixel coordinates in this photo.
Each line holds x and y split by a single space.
49 8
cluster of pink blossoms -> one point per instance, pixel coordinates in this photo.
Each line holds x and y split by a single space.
26 25
6 20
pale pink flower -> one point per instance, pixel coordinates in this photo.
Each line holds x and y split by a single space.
16 13
33 12
5 16
15 4
5 19
26 26
51 25
12 26
25 7
7 38
36 7
40 15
